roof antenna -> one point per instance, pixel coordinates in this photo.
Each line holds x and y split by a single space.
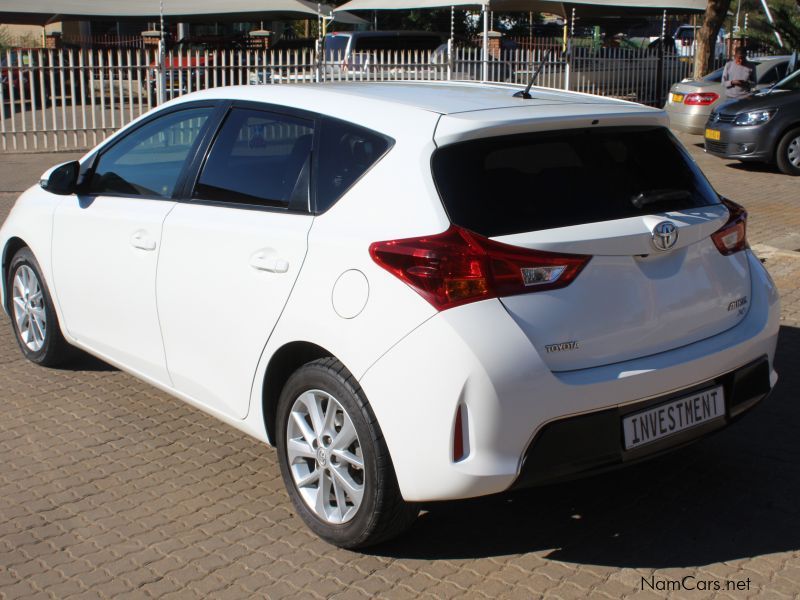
526 93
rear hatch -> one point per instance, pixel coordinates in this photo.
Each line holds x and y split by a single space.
602 192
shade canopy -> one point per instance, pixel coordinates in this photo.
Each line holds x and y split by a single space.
548 6
41 12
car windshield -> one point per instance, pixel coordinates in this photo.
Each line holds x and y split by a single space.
714 76
790 83
335 46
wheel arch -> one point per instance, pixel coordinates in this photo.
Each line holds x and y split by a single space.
285 361
784 130
13 245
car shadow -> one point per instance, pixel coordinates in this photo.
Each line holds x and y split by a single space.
730 496
86 362
754 167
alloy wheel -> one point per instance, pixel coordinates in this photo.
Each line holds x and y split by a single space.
325 457
29 309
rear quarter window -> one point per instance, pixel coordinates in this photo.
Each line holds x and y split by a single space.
513 184
346 153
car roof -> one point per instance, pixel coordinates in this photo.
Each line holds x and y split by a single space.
436 97
384 34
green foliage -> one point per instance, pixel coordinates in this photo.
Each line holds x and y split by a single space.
5 38
786 14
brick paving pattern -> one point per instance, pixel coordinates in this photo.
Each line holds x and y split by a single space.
112 489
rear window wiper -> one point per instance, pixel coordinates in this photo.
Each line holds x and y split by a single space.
655 196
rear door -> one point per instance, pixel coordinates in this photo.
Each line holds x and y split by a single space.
231 255
608 193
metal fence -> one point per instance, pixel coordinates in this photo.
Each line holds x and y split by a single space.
72 99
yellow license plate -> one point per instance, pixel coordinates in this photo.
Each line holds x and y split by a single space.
677 98
712 134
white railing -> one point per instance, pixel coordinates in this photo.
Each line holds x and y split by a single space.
73 99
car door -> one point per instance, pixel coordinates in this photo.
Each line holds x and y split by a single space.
106 240
230 255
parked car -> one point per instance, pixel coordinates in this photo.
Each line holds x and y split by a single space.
685 43
416 291
355 51
20 78
191 58
762 128
690 102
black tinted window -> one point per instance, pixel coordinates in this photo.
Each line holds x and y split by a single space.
401 42
505 185
149 160
259 158
773 75
346 153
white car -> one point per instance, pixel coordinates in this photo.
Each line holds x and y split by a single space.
416 291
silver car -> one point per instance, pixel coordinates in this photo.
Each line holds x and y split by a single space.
690 102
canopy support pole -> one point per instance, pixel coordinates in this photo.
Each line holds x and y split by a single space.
662 50
485 54
569 30
162 56
451 43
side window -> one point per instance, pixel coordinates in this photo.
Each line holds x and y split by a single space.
149 160
773 75
346 152
259 158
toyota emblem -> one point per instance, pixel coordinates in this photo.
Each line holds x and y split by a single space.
665 235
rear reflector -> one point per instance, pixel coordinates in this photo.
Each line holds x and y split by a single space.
703 99
458 435
732 237
458 266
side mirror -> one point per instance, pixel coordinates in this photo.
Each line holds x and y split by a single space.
61 179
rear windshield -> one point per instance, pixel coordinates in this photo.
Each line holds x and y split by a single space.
335 46
402 42
512 184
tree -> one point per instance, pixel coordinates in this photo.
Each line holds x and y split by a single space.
716 11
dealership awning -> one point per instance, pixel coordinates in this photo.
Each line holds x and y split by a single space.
42 12
549 6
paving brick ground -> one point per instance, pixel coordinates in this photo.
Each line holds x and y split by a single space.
109 488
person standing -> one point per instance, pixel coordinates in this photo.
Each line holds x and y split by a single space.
739 76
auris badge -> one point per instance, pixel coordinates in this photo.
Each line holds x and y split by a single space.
665 235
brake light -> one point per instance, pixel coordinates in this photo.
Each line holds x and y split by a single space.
732 237
458 266
703 99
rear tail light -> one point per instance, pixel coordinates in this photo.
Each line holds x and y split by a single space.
703 99
458 266
732 237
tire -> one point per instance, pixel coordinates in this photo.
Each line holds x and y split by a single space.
337 516
33 318
788 153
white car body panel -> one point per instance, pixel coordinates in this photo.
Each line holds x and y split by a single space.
94 238
509 391
214 272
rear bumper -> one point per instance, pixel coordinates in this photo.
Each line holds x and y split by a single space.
476 357
592 443
689 122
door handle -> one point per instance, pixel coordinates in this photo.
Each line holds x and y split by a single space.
142 240
263 261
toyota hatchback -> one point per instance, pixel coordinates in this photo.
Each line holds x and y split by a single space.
415 291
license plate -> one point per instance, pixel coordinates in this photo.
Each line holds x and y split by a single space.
673 417
677 98
712 134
